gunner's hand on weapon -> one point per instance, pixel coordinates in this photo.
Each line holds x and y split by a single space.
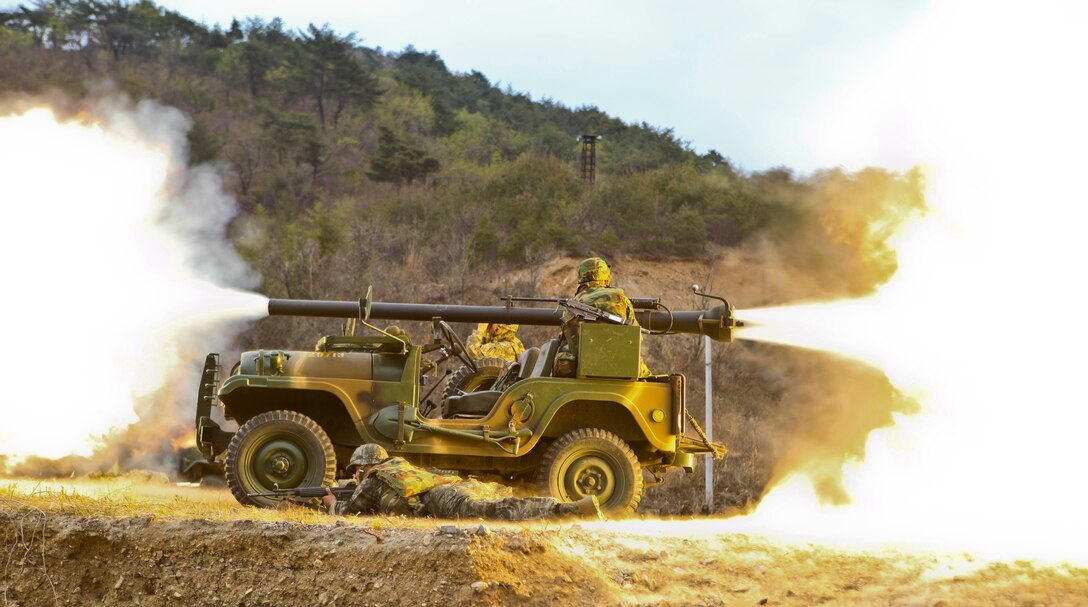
329 500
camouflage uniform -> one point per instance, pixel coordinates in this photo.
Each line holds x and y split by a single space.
594 288
502 343
395 486
400 334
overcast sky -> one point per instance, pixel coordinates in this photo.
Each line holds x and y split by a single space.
749 79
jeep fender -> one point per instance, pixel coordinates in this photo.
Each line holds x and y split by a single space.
657 434
246 383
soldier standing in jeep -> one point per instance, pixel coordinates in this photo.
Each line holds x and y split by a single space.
595 289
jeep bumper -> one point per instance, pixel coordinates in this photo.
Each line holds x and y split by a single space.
210 438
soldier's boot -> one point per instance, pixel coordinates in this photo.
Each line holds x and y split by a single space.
587 507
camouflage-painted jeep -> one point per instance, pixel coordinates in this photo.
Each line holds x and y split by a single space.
301 413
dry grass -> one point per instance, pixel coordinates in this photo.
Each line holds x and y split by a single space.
133 528
123 496
133 495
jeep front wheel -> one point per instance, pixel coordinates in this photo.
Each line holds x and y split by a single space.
592 461
283 449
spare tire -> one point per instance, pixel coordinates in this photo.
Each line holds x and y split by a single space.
463 380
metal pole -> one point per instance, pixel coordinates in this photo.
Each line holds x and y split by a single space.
709 429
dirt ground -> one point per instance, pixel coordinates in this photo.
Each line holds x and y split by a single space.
131 544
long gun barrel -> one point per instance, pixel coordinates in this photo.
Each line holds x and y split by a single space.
717 322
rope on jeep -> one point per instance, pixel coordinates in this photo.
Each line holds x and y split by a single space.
717 450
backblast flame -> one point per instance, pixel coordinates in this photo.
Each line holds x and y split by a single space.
109 243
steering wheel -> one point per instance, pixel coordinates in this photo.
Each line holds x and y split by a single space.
456 344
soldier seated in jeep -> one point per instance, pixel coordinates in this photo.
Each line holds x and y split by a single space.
495 340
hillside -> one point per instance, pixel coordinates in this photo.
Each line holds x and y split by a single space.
316 130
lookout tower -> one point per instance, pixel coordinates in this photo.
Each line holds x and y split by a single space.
589 157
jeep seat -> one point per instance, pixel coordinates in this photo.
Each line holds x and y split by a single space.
527 361
544 362
471 404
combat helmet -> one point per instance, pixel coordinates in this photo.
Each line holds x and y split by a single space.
399 333
367 454
500 328
594 269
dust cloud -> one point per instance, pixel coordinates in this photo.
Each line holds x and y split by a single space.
788 412
839 241
807 413
119 279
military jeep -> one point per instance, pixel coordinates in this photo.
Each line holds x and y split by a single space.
301 413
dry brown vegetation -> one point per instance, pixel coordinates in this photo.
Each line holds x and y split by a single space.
120 541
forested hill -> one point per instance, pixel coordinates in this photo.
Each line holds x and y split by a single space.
329 143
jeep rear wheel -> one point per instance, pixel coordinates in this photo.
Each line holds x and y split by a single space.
591 461
283 449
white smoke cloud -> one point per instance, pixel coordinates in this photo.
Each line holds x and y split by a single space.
118 272
985 317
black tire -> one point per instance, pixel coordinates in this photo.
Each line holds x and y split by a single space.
465 379
283 448
592 461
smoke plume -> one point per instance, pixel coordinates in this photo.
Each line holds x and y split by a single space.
992 461
121 279
841 240
788 412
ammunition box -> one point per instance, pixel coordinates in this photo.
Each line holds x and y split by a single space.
609 351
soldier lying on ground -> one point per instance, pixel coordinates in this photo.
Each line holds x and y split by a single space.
391 485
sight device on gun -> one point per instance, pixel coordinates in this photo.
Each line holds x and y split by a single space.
302 412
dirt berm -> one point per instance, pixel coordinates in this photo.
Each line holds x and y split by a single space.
68 559
139 561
